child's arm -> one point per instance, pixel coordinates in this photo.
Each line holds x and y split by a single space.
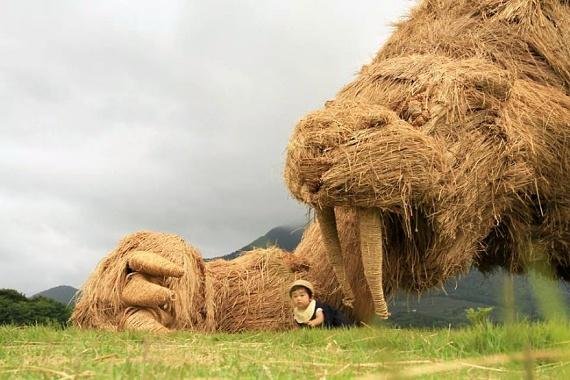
319 319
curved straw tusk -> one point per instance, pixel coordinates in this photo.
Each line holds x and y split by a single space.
140 291
370 228
153 264
327 224
142 320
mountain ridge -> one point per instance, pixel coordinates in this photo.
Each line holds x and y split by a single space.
286 237
62 293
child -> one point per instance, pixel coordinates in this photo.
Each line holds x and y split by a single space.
307 311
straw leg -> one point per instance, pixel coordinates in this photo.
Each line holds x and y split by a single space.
370 226
327 224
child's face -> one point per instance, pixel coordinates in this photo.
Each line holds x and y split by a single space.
300 298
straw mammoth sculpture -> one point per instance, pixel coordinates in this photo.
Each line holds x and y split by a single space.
450 149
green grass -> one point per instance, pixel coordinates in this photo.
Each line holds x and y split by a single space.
540 349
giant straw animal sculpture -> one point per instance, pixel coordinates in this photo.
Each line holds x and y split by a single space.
450 149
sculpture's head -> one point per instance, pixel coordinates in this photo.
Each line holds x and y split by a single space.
456 136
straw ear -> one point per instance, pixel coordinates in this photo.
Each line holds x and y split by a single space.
153 264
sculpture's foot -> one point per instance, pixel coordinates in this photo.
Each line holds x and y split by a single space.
142 319
149 302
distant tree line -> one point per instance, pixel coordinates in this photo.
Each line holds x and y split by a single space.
16 309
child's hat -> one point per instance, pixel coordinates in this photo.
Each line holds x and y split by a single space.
303 283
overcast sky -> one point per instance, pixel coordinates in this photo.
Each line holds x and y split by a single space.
119 116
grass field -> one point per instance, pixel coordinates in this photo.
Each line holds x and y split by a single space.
524 350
